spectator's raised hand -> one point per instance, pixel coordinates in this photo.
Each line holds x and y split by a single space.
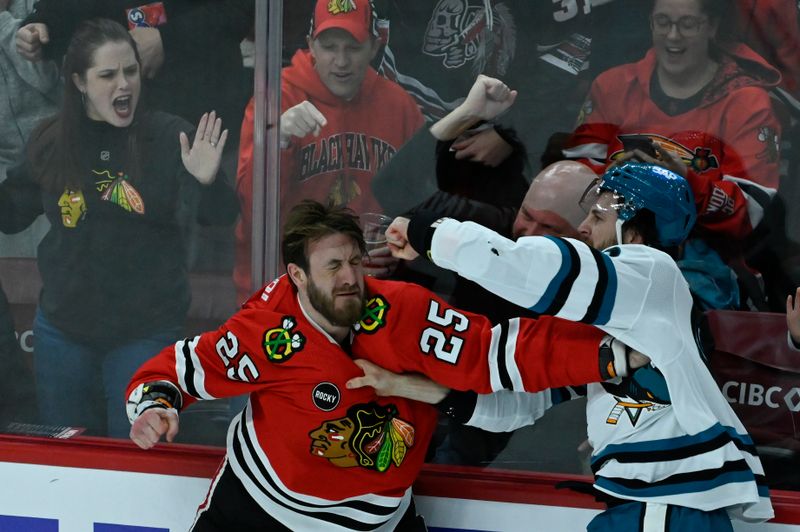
793 316
485 147
487 98
397 239
151 50
152 424
203 157
30 39
300 120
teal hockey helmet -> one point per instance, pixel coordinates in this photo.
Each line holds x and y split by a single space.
663 192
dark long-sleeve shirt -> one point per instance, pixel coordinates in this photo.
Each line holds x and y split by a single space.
113 264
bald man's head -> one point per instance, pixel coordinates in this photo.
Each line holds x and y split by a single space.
551 205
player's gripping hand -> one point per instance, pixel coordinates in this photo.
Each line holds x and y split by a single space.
152 424
382 380
387 383
300 120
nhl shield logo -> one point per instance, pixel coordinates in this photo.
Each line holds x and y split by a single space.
281 343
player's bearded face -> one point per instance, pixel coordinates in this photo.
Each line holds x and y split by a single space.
342 306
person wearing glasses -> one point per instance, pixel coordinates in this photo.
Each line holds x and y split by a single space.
696 98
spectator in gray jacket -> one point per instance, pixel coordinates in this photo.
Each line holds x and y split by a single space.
28 93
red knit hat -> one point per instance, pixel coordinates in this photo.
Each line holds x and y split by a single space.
353 16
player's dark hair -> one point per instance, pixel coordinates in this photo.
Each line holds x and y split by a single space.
308 221
644 223
56 145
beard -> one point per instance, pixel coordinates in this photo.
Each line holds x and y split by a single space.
350 310
606 244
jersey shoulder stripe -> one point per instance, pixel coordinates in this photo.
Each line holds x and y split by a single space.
599 310
559 287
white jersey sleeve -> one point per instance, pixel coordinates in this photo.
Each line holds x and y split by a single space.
555 276
505 411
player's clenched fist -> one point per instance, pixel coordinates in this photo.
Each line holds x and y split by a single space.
30 39
397 239
300 120
152 424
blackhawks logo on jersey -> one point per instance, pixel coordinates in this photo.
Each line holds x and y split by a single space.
374 317
281 343
370 436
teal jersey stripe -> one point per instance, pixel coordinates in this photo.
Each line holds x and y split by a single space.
610 297
671 444
695 486
552 289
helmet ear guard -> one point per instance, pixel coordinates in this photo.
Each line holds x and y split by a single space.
663 192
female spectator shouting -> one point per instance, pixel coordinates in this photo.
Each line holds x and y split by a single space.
120 186
698 97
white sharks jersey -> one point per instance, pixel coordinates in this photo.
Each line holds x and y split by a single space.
666 434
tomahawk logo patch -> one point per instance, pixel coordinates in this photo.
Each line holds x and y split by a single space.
374 317
281 343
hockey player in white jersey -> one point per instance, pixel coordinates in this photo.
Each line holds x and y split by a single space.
667 448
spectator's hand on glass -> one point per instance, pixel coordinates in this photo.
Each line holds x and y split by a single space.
488 98
300 120
151 50
793 316
397 239
670 161
485 147
379 262
30 39
202 158
152 424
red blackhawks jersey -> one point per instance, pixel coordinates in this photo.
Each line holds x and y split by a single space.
337 166
729 141
317 456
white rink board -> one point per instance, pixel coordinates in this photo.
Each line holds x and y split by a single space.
491 516
77 498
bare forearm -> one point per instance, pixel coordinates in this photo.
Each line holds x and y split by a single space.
454 124
418 388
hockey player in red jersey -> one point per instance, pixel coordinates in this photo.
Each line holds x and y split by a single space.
307 452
